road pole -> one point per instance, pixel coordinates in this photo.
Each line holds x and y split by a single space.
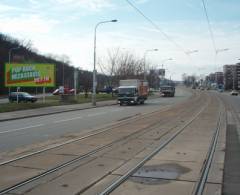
216 53
44 94
18 88
75 83
94 62
9 61
144 65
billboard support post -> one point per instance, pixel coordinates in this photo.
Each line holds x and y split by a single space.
44 94
75 83
18 88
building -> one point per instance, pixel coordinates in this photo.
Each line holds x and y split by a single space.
212 78
219 78
236 76
228 76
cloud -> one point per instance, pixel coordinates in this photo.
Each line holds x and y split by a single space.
6 8
91 5
27 24
141 1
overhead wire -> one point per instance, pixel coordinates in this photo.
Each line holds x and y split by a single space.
158 28
209 27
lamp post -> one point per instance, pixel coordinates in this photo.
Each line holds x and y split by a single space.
9 61
94 60
219 51
144 68
163 61
10 52
191 51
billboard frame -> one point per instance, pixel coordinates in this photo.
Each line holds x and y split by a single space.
28 86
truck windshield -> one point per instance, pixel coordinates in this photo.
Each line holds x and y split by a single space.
127 90
166 88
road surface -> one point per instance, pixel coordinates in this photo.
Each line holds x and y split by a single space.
23 132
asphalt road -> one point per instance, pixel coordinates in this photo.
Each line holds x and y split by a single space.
23 132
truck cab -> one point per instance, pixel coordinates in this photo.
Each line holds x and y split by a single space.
128 95
132 92
167 91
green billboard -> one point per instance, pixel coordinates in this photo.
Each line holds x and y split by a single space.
29 75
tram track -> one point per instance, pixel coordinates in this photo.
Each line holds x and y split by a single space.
95 132
203 176
80 157
123 178
201 182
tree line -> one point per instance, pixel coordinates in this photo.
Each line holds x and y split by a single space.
118 65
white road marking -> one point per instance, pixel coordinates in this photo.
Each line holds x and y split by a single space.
22 128
96 114
69 119
116 110
60 121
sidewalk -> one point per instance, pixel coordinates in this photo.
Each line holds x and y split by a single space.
7 116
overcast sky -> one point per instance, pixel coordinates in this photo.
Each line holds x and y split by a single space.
67 27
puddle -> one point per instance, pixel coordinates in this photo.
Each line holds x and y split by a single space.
149 181
153 174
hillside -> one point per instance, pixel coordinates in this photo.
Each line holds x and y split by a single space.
26 54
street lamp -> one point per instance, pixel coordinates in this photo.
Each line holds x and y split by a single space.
9 61
165 61
162 65
10 52
144 68
94 61
219 51
191 51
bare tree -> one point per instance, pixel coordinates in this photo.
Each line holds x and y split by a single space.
123 65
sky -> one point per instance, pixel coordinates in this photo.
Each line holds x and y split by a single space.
66 27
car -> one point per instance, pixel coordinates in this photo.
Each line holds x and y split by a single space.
22 97
234 92
66 91
105 90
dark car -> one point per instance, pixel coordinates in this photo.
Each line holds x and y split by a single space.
22 97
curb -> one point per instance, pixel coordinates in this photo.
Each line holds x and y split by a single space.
56 112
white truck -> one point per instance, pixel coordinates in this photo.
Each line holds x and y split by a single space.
132 91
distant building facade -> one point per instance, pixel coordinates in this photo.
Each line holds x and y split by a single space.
219 78
216 79
228 76
231 75
236 76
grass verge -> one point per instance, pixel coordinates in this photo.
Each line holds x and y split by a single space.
53 101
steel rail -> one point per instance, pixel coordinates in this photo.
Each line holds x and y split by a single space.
200 185
105 129
124 177
79 158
